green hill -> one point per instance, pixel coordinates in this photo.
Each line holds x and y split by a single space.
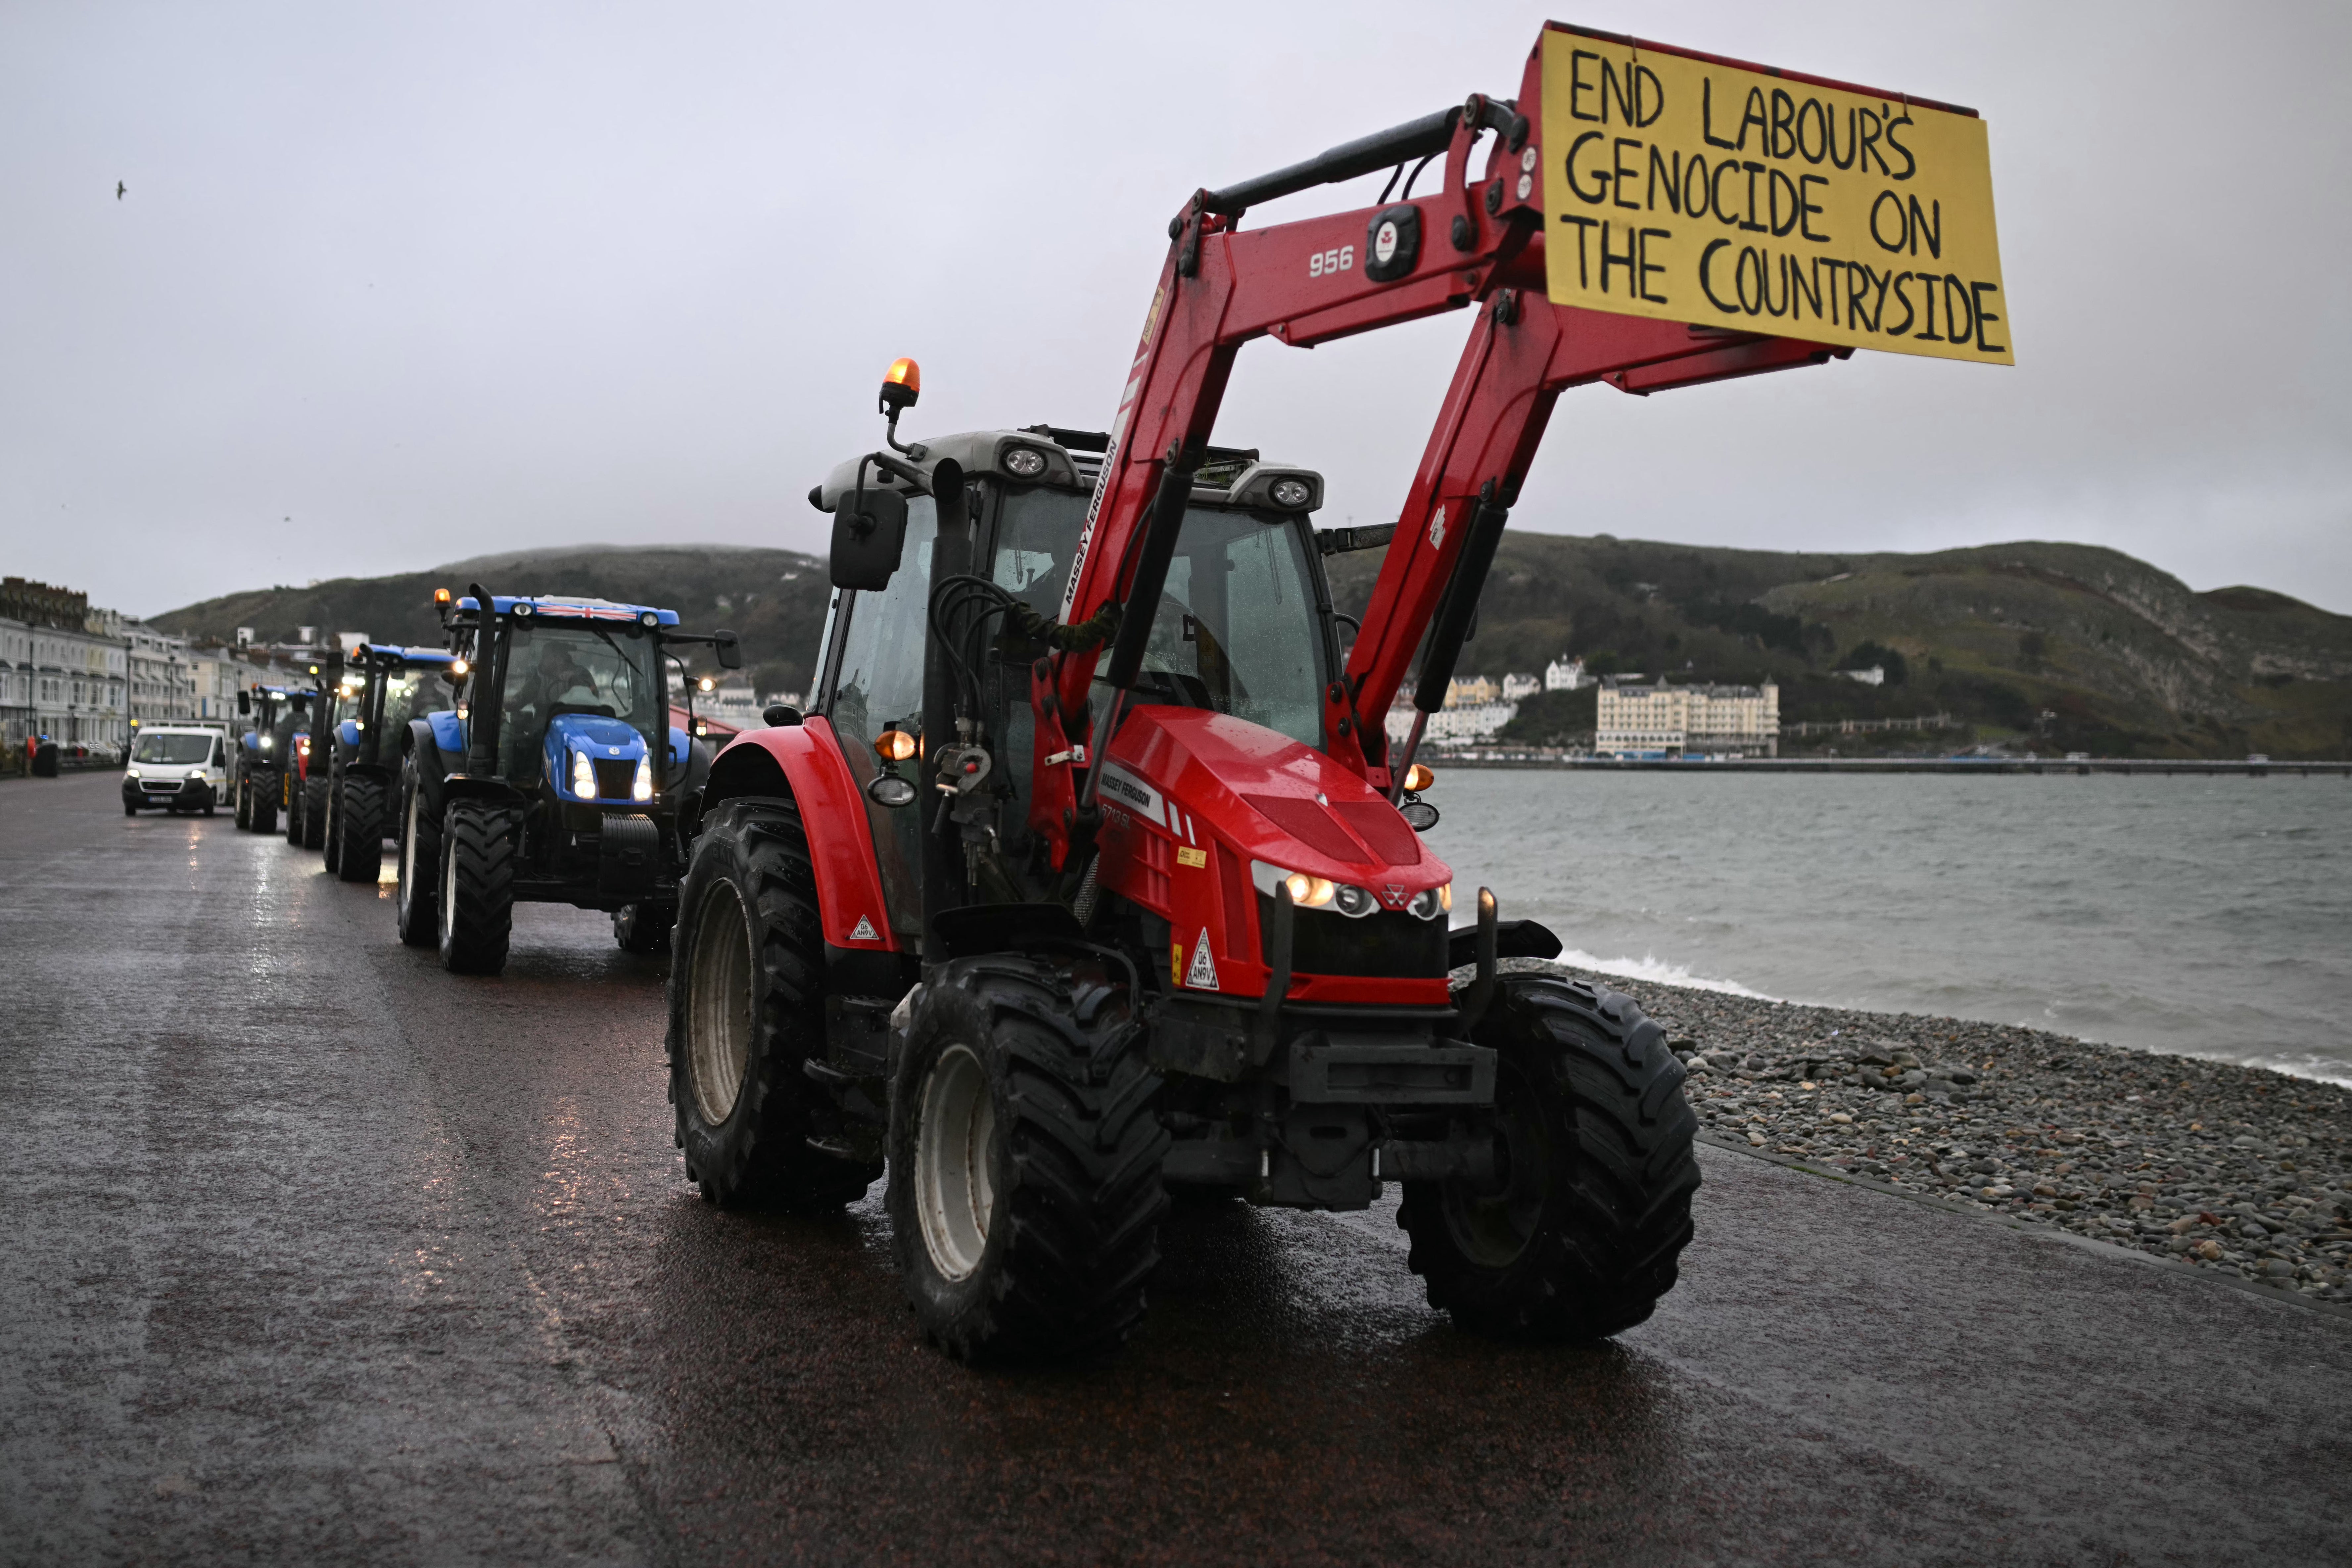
2062 646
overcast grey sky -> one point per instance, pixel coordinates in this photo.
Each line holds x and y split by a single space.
431 281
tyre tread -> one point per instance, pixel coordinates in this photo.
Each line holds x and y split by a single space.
1623 1216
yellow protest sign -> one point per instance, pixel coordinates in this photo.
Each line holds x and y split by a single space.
1687 189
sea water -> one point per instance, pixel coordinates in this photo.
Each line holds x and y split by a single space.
2205 916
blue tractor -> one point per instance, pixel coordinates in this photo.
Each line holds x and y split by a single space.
557 779
275 715
389 687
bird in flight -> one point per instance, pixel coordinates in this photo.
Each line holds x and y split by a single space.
119 188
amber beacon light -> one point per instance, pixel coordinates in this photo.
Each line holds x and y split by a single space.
902 385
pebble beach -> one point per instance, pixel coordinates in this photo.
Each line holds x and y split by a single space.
2224 1167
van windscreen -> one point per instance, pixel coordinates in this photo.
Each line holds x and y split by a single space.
172 750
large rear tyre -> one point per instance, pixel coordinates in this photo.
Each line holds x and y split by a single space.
1024 1148
314 813
356 843
643 927
480 843
414 904
1583 1236
292 787
747 1011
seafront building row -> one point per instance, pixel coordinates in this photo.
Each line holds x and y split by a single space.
84 677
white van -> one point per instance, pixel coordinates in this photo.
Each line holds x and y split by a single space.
175 767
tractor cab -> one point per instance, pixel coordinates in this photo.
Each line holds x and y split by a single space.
1243 633
558 777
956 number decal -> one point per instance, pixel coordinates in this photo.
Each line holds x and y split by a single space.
1324 263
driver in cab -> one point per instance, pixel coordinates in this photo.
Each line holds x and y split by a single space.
558 679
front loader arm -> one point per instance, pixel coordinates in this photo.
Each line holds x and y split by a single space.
1303 283
1523 353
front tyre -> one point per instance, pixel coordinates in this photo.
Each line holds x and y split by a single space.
263 811
479 842
1583 1235
244 805
357 840
746 1011
1024 1150
420 864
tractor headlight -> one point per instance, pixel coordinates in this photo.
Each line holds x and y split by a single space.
584 777
1431 903
643 789
1291 494
1023 462
1320 893
267 741
1309 892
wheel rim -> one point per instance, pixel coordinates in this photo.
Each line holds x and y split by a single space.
718 1005
408 848
448 884
955 1197
1494 1228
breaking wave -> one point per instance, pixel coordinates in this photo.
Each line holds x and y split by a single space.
1658 971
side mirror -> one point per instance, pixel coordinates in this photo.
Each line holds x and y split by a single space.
780 714
245 704
867 545
730 651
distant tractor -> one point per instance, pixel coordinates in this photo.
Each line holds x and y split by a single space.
305 794
559 778
390 687
258 769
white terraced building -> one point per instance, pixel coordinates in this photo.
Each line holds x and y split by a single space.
1663 721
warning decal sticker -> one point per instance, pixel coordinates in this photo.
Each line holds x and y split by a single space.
865 930
1203 975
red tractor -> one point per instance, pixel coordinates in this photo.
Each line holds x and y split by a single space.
1091 875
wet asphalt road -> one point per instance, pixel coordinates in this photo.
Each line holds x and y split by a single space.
317 1254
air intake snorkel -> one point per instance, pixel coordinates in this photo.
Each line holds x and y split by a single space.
489 685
